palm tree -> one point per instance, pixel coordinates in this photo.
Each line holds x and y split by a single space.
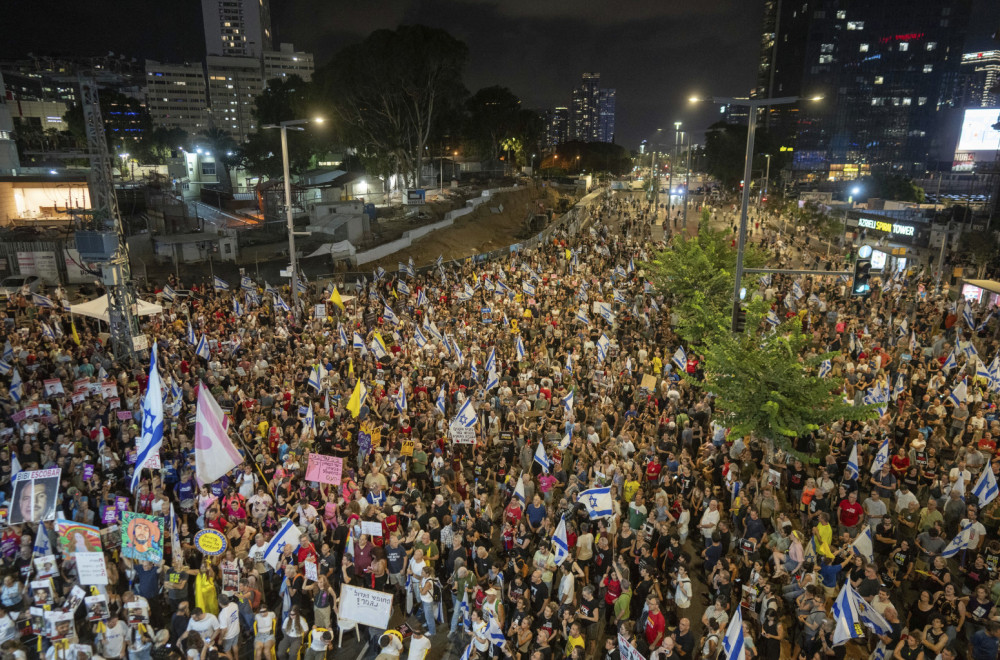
221 144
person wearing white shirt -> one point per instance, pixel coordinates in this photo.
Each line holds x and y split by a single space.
709 521
229 627
8 629
977 529
420 644
201 623
113 641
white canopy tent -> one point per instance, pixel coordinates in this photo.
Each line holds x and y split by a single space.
98 308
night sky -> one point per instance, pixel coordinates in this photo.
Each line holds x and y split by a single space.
654 52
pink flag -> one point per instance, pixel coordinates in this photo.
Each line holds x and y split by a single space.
214 453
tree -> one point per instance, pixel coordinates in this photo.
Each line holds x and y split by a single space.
763 387
698 272
979 247
226 152
492 117
726 148
593 157
158 144
389 93
894 187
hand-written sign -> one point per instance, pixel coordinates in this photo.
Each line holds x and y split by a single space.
325 469
461 434
407 448
366 606
371 527
91 568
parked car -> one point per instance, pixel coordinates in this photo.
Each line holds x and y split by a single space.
11 286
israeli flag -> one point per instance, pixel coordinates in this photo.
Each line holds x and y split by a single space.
491 360
474 371
314 379
43 546
168 293
343 336
151 439
378 274
402 289
986 319
969 349
458 351
42 301
8 351
389 315
16 389
280 303
604 309
881 457
419 336
581 316
852 470
898 388
421 298
237 308
863 544
439 403
246 283
253 298
15 467
986 488
797 291
201 350
309 422
597 501
47 332
766 279
520 348
631 265
401 399
492 380
219 284
603 344
967 316
567 402
358 342
772 317
845 613
519 490
619 297
733 642
300 286
289 534
869 615
825 368
466 415
982 371
528 288
493 631
560 542
542 458
4 367
949 363
270 289
680 359
959 393
961 542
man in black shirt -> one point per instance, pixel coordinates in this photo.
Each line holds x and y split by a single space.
539 592
684 640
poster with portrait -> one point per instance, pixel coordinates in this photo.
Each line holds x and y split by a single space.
74 600
59 625
111 537
45 566
142 537
76 537
34 496
37 617
42 593
97 608
80 652
136 612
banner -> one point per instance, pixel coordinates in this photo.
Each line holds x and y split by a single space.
34 496
461 434
91 567
367 606
142 537
372 528
325 469
76 537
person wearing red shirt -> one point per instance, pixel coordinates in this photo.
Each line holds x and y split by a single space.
656 625
850 512
653 469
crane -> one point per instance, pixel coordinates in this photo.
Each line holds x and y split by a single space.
102 240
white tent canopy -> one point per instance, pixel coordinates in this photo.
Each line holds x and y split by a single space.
98 308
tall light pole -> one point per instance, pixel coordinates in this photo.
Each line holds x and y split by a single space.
295 125
767 177
753 105
687 181
673 161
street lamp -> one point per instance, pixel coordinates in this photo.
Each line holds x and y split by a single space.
767 177
753 105
295 125
673 162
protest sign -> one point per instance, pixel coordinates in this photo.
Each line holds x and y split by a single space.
311 572
34 496
97 607
124 414
142 537
371 527
76 537
325 469
366 606
53 386
461 434
210 542
407 448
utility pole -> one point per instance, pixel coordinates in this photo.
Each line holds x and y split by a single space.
767 177
687 182
673 163
944 244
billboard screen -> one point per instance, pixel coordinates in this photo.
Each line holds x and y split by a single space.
978 133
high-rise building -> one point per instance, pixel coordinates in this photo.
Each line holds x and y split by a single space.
980 74
176 96
586 98
884 70
606 115
234 83
9 163
556 127
286 61
236 28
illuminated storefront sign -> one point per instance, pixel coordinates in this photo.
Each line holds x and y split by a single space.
893 228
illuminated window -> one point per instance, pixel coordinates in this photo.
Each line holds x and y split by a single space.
928 68
876 100
826 48
855 25
904 46
907 100
879 80
825 59
863 48
841 14
931 45
922 100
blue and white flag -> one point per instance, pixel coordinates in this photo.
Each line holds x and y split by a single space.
852 470
493 631
401 399
603 344
47 332
309 421
959 393
378 274
519 490
969 349
280 303
845 614
604 309
358 342
237 308
967 316
191 338
466 415
680 359
15 466
439 403
962 541
16 389
949 363
389 315
519 345
421 298
300 286
881 457
986 488
869 615
733 642
528 288
825 368
5 367
288 535
597 502
619 297
567 402
631 265
560 542
898 387
151 439
569 362
419 337
247 284
797 291
42 301
8 352
772 317
581 316
491 360
314 380
542 458
219 284
168 293
343 336
986 319
43 546
201 350
402 289
863 544
492 380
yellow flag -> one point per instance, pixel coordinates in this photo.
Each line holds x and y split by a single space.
336 299
350 366
357 399
76 337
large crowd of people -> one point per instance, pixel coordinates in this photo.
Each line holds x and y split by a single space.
481 537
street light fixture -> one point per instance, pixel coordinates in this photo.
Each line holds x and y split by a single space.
753 105
285 126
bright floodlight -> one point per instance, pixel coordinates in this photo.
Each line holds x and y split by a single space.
818 97
856 190
693 99
318 120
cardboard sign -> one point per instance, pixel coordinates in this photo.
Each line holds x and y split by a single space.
371 527
407 448
461 434
124 414
91 567
75 537
366 606
88 471
34 496
319 311
648 382
311 571
53 386
325 469
142 537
